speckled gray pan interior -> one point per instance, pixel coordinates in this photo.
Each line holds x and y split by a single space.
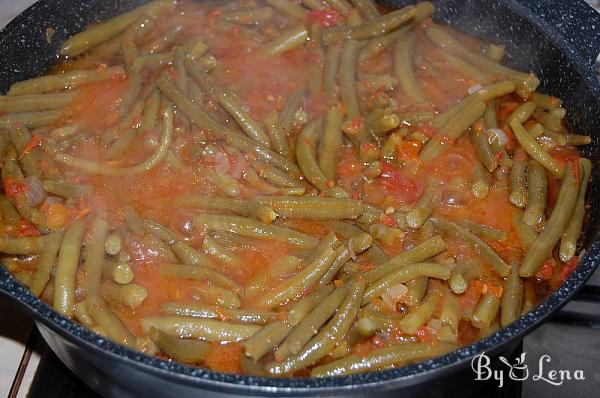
558 40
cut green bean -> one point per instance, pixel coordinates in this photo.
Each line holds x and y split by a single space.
537 194
266 339
403 64
288 40
185 327
512 297
131 295
197 310
46 262
534 150
518 180
93 255
314 208
330 147
199 274
182 350
66 268
563 210
108 321
568 243
236 206
423 208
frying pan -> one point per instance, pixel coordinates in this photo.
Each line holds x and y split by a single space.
558 40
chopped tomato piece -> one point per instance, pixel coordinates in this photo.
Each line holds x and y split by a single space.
403 188
423 334
565 271
326 17
545 271
26 229
35 141
14 188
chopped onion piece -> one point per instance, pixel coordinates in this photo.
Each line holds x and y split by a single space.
434 325
35 192
397 291
497 135
389 300
473 89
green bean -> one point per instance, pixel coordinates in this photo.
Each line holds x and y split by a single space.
518 180
113 244
387 235
305 154
190 256
526 234
46 262
274 175
29 119
482 249
215 295
288 40
150 112
29 159
162 42
66 268
82 315
303 307
237 206
373 28
330 334
482 181
465 67
420 314
568 243
536 130
67 190
294 104
534 150
537 194
64 81
421 252
370 215
527 83
108 321
288 7
341 6
452 131
404 274
484 150
248 145
162 249
463 274
118 271
9 213
125 122
367 8
548 120
450 311
206 329
151 62
563 210
36 102
131 295
267 338
93 255
403 64
347 78
199 274
574 139
314 4
330 147
382 358
135 34
222 254
282 267
512 297
252 229
196 310
522 113
486 310
416 291
193 112
299 282
483 231
330 69
97 34
310 324
248 17
487 93
278 136
148 164
314 208
423 208
546 101
379 44
224 183
344 253
182 350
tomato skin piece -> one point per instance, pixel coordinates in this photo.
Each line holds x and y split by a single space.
545 271
13 188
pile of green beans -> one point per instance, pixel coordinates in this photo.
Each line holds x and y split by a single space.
348 190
